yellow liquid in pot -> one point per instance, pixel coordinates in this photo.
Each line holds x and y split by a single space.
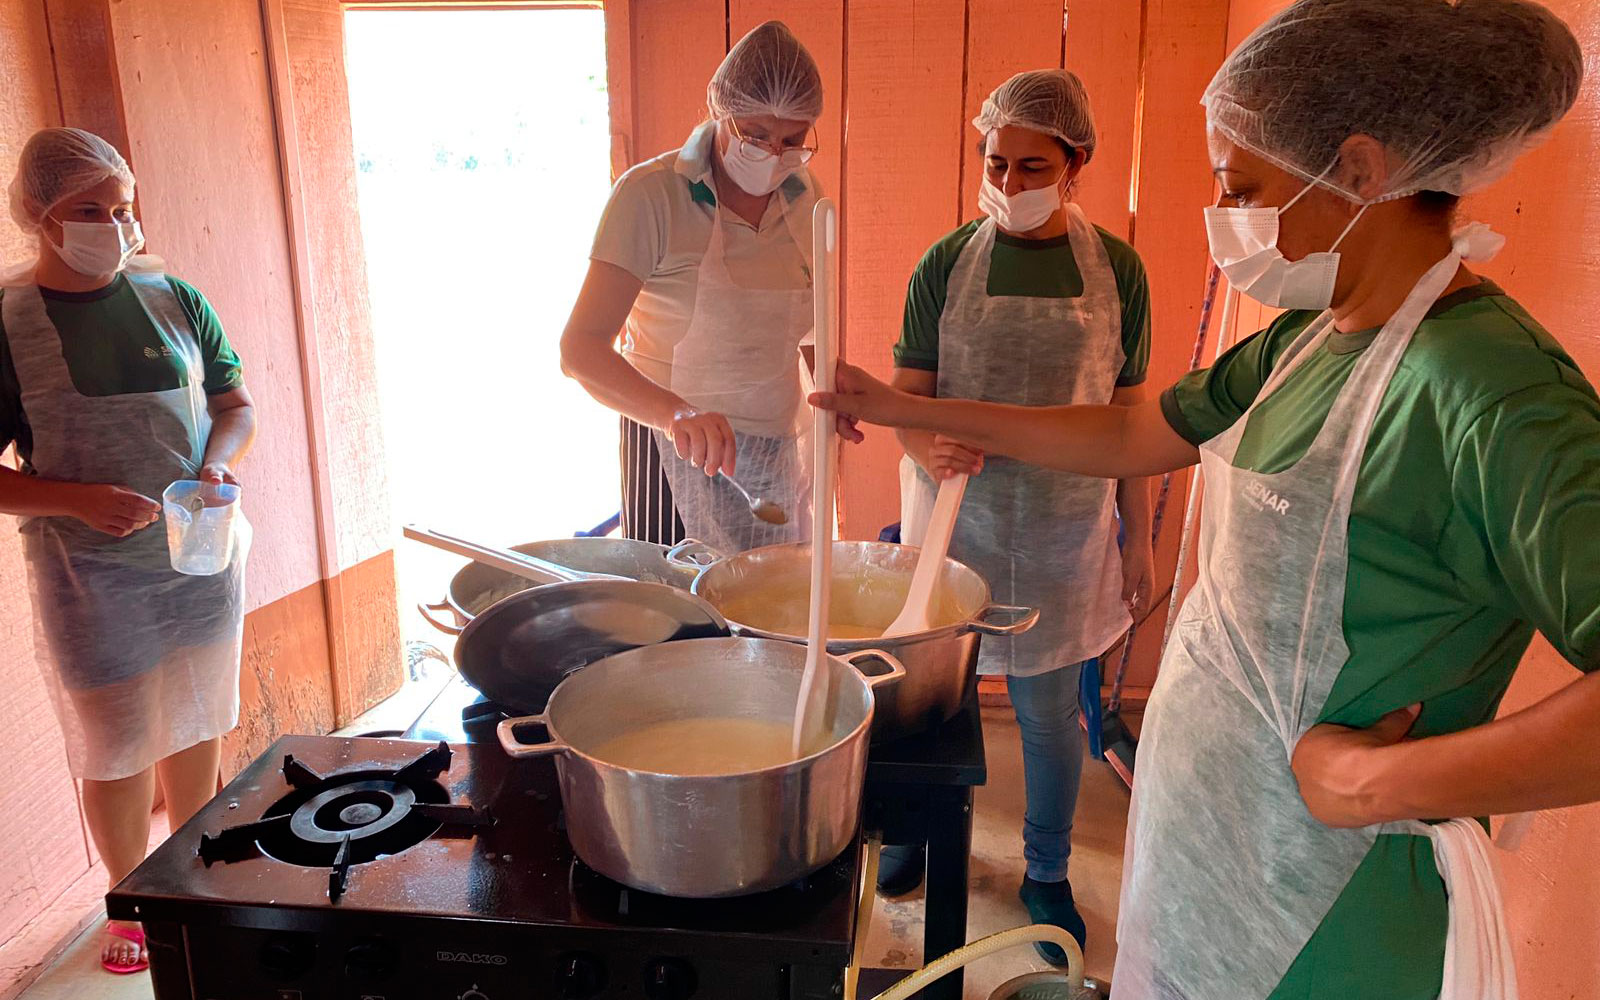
702 746
863 603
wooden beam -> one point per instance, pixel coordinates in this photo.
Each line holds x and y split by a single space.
621 86
301 277
1183 45
1102 47
677 45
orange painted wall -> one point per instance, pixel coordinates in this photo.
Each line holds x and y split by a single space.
186 91
1549 208
42 844
904 78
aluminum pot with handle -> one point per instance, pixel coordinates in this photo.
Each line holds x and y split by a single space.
707 835
476 587
762 592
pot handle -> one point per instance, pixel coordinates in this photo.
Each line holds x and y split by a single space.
1021 619
426 610
507 731
693 554
895 674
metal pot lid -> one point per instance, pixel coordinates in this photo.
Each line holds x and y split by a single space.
517 651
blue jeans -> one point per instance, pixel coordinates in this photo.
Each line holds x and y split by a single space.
1052 764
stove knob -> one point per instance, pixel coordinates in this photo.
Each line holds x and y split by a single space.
579 976
669 979
370 961
288 956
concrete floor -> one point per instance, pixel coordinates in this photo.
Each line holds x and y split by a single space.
894 940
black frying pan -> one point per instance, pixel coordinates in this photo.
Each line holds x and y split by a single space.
521 648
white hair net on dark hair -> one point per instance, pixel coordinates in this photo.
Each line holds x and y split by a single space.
767 72
57 163
1455 90
1051 101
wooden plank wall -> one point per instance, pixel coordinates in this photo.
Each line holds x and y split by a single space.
904 78
902 191
1183 42
43 847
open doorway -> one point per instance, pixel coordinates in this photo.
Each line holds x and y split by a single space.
482 145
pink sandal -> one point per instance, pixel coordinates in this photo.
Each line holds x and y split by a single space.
127 934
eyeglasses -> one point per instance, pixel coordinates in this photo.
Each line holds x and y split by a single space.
761 150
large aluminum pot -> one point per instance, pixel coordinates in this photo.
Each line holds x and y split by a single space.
764 592
706 836
475 588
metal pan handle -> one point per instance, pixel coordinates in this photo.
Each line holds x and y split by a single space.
514 747
694 556
1021 619
895 674
426 610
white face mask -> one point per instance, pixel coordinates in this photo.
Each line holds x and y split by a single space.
98 248
1244 243
755 173
1022 212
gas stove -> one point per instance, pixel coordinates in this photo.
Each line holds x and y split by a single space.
368 869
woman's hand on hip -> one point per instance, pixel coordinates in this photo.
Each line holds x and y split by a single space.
1341 771
114 510
948 457
704 440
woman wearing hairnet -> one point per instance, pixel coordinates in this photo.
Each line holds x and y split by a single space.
115 381
702 265
1402 486
1034 306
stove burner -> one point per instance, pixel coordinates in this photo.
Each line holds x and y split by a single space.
348 818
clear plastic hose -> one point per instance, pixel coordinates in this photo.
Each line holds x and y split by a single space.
961 957
984 947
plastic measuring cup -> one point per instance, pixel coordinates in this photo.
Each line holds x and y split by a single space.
200 525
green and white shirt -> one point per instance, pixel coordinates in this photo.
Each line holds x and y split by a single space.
112 347
1475 523
1031 268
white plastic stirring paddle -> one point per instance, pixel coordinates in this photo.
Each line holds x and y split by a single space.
811 708
917 615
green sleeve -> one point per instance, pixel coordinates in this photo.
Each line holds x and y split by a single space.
224 370
1133 289
918 346
1527 479
1206 402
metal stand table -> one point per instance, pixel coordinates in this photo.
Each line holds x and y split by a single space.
917 789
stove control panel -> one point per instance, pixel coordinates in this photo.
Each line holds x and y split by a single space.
669 979
579 976
450 960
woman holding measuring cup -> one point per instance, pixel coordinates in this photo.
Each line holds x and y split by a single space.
116 383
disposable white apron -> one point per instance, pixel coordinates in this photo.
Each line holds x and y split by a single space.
141 661
1040 537
1226 874
740 357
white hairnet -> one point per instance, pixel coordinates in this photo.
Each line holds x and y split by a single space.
767 72
57 163
1051 101
1454 89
